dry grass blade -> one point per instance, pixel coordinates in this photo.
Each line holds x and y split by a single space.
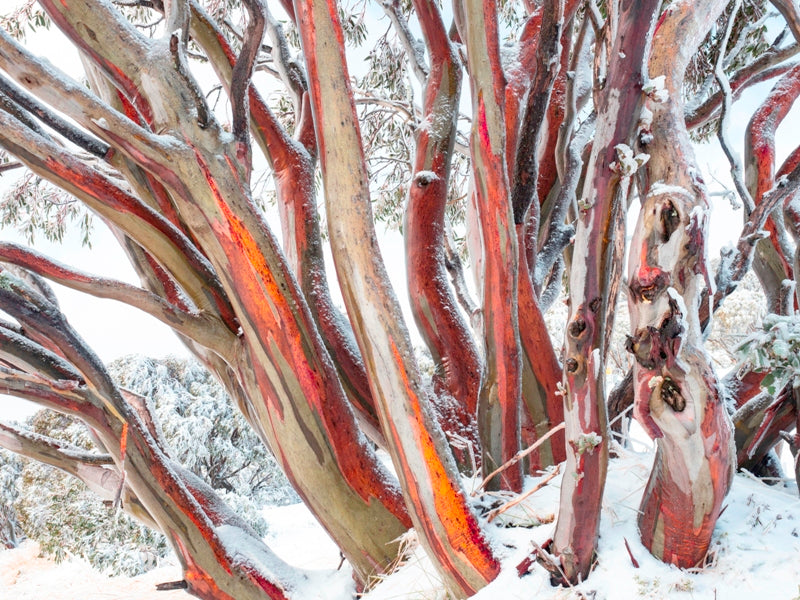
526 495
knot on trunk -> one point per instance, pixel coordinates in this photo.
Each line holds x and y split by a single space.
669 220
577 327
648 284
655 346
669 392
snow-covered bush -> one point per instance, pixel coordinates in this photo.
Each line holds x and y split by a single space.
10 470
67 520
64 517
740 315
775 348
205 433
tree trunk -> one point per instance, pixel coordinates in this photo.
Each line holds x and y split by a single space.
677 396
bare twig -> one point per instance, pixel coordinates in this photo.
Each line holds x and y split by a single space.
519 456
522 497
737 172
172 585
10 166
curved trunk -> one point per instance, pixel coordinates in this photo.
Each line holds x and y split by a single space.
458 366
292 386
677 395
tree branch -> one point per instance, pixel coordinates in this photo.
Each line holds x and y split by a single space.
790 12
498 404
49 118
26 355
75 101
594 278
415 51
736 167
735 265
419 456
168 245
455 355
772 264
768 65
288 69
526 165
97 471
243 69
678 398
201 327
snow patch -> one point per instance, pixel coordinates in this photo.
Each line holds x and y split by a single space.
627 163
753 552
655 90
423 178
659 188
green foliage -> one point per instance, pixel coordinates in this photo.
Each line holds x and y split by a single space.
774 350
27 17
388 120
33 205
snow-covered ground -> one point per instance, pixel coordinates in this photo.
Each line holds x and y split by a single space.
26 576
755 554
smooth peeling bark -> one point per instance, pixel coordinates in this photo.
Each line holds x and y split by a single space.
691 474
758 424
539 225
556 111
204 328
677 394
208 183
594 280
98 190
541 374
499 400
123 69
457 379
292 161
519 75
524 190
532 174
303 247
297 395
447 528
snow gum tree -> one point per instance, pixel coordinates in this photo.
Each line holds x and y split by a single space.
517 135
